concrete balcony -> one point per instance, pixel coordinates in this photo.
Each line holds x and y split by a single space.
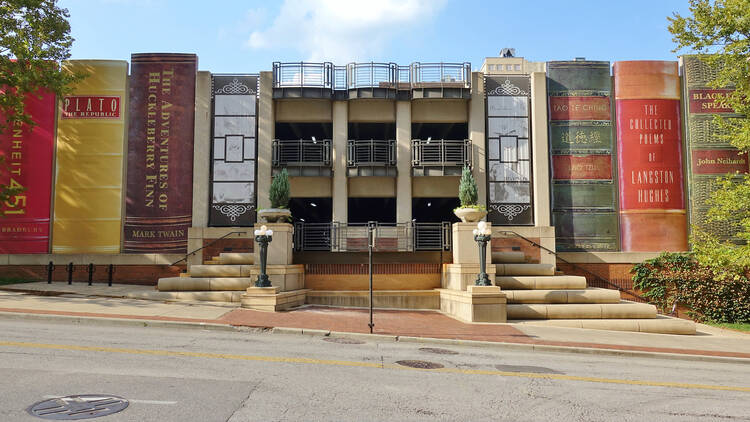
303 157
440 157
371 158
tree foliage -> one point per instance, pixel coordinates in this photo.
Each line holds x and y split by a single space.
279 190
467 188
720 29
34 38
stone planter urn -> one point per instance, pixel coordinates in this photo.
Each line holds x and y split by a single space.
274 215
469 215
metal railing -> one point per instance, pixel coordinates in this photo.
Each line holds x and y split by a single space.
303 75
389 237
440 152
189 254
425 75
371 152
371 75
302 152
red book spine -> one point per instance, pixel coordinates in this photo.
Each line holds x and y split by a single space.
27 155
649 145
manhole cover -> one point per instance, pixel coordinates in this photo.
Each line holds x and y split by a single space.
343 340
438 351
523 368
84 406
419 364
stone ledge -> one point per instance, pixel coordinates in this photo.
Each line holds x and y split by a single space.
271 299
478 304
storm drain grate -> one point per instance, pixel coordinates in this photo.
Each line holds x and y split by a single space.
419 364
437 351
84 406
343 340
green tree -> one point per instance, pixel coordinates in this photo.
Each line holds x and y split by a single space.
720 29
279 190
467 188
34 39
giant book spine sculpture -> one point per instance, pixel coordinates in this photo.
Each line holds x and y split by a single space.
584 204
160 153
90 145
649 147
27 155
709 154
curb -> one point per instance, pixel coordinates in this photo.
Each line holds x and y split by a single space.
528 347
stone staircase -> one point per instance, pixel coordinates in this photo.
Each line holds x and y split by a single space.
222 279
538 294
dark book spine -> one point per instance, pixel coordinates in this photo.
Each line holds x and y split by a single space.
160 153
584 192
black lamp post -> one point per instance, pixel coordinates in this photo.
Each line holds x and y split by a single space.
482 235
263 237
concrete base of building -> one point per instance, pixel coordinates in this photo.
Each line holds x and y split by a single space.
203 284
285 277
382 299
459 276
476 304
272 299
622 310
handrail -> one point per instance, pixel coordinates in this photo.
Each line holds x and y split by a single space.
205 246
371 152
578 267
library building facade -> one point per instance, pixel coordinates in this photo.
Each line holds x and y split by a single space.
154 172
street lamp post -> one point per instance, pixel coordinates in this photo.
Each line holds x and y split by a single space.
263 237
482 235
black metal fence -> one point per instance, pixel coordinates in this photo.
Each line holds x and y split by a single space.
389 237
301 152
371 152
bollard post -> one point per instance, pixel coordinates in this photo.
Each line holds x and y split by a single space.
70 273
110 271
50 268
91 273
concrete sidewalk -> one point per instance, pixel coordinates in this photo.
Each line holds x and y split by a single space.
102 304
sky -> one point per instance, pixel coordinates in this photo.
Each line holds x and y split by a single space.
246 36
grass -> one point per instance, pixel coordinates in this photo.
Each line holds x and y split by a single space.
738 326
4 281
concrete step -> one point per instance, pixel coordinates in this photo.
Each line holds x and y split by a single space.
237 258
220 270
203 284
508 257
659 325
622 310
589 295
383 299
556 282
524 269
211 262
229 296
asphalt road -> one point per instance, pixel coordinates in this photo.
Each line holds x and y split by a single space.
198 375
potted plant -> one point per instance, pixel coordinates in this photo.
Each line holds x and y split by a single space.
469 211
278 194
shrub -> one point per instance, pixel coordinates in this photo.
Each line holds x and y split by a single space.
674 279
279 191
467 189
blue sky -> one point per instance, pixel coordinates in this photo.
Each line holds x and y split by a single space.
246 36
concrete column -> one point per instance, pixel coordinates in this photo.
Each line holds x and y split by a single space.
403 161
540 149
477 135
340 195
201 149
266 130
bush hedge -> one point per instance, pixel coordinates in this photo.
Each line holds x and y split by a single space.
674 279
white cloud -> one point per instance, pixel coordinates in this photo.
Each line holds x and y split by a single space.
342 31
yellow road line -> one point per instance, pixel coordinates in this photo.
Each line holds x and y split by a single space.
368 365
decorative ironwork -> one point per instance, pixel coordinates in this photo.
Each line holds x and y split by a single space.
301 152
235 87
371 152
352 237
507 88
447 156
510 211
232 211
